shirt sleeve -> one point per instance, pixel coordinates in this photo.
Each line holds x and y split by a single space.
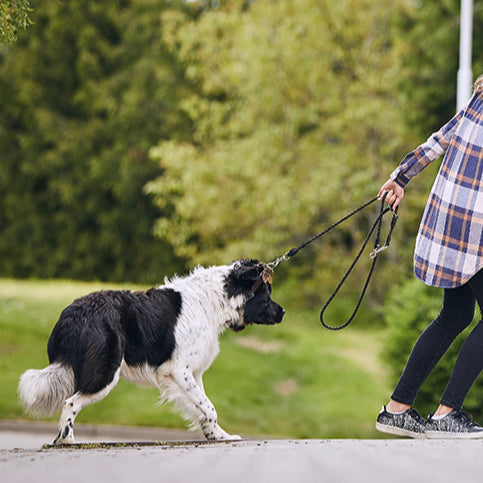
434 147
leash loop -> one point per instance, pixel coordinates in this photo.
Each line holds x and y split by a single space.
376 226
377 249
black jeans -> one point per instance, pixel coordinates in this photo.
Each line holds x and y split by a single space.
456 314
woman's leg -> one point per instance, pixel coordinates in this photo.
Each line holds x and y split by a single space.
456 314
469 362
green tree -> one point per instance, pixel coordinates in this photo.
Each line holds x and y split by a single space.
296 122
83 96
14 16
428 42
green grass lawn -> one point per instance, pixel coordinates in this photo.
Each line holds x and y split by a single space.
294 380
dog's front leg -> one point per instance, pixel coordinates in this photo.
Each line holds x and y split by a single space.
200 407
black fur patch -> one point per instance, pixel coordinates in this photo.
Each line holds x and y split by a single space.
95 332
242 277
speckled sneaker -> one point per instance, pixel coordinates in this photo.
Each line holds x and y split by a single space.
455 425
409 423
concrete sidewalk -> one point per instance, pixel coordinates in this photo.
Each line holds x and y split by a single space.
265 461
24 433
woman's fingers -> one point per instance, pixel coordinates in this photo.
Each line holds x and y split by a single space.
392 193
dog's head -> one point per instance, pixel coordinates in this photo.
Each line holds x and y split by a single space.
249 279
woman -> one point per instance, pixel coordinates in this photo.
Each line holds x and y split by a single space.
448 254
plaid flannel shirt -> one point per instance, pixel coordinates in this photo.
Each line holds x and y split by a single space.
449 245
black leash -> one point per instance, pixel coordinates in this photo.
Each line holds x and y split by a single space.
376 226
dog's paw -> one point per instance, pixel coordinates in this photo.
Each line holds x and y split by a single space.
59 440
234 437
229 437
220 435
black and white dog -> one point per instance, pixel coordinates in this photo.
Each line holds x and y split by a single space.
166 337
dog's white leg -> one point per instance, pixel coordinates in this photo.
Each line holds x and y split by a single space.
73 406
197 404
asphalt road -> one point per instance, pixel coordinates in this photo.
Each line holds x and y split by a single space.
22 459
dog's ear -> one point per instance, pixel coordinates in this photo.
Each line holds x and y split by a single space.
249 270
242 277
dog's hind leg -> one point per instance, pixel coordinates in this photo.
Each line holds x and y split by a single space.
192 400
72 407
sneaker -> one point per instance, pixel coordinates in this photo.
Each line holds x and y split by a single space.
409 423
457 424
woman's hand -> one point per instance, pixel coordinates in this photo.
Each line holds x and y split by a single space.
394 195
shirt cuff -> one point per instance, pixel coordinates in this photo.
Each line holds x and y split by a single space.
400 179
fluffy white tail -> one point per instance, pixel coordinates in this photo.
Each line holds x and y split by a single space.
43 391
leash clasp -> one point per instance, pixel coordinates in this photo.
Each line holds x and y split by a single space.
273 265
378 250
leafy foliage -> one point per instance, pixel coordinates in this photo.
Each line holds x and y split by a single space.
82 101
14 16
296 122
269 121
428 44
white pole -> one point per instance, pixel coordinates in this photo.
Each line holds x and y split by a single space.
465 75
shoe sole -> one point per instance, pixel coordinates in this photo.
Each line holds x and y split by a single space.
384 428
453 435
